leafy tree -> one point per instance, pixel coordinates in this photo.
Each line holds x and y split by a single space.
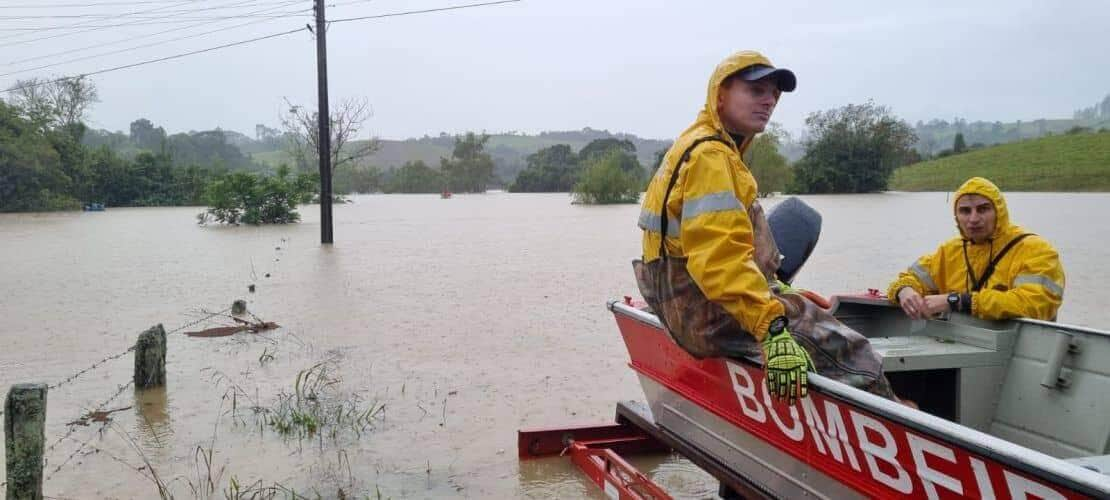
415 177
553 169
241 197
358 180
605 181
31 173
659 157
52 103
146 136
769 168
959 145
599 147
71 99
470 167
852 149
209 147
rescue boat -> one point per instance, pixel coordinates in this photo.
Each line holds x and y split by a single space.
1006 409
1009 409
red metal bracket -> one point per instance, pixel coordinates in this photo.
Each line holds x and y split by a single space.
596 451
616 477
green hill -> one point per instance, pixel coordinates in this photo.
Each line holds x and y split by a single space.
1073 162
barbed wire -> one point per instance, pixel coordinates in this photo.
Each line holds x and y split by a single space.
123 353
90 368
100 449
73 426
207 317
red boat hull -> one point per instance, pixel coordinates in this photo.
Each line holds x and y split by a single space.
838 442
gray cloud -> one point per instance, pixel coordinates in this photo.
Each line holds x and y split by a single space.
637 66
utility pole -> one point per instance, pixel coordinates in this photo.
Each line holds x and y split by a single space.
324 139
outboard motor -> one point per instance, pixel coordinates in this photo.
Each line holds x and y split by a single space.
795 227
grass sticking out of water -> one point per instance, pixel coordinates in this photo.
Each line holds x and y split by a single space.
313 407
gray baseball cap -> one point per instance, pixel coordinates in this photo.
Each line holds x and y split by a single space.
785 78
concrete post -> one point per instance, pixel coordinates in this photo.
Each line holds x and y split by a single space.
24 437
150 358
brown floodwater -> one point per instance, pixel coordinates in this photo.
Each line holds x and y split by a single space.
467 318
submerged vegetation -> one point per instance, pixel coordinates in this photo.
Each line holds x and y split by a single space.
242 197
612 177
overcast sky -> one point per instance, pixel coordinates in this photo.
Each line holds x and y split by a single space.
631 66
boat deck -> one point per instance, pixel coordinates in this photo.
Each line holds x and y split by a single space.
1038 384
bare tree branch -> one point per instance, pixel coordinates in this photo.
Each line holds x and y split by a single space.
53 103
71 98
31 97
302 133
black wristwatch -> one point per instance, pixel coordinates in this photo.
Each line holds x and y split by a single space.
954 302
777 326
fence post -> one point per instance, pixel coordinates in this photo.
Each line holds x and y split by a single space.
24 433
150 358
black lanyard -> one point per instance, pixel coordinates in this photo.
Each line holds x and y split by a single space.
978 284
670 185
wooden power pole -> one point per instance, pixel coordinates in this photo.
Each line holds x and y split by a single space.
324 139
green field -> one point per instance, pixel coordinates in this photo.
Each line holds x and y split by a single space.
1078 162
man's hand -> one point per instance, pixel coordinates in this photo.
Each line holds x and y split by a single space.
785 364
936 305
918 307
913 303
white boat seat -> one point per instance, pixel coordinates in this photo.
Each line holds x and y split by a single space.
931 353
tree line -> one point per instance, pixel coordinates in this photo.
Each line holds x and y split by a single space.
52 161
44 164
49 160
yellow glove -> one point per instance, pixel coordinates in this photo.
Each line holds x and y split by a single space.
783 288
785 364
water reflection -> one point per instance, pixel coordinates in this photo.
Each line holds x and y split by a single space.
557 477
554 477
153 424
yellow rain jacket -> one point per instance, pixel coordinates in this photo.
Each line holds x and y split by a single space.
707 218
1028 282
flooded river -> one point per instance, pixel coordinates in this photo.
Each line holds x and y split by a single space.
466 318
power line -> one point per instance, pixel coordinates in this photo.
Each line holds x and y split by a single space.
161 59
257 39
125 14
90 29
154 21
240 5
341 4
136 47
424 11
148 35
82 5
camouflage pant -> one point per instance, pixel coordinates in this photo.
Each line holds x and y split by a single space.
705 329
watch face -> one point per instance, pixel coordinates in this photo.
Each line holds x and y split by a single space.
777 325
952 299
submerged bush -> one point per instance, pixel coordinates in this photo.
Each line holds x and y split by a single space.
607 179
242 197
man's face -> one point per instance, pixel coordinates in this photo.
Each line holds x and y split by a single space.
976 217
745 107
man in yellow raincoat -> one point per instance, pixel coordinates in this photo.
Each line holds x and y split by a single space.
993 270
709 280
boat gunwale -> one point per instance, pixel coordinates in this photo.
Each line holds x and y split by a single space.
1063 326
1008 453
